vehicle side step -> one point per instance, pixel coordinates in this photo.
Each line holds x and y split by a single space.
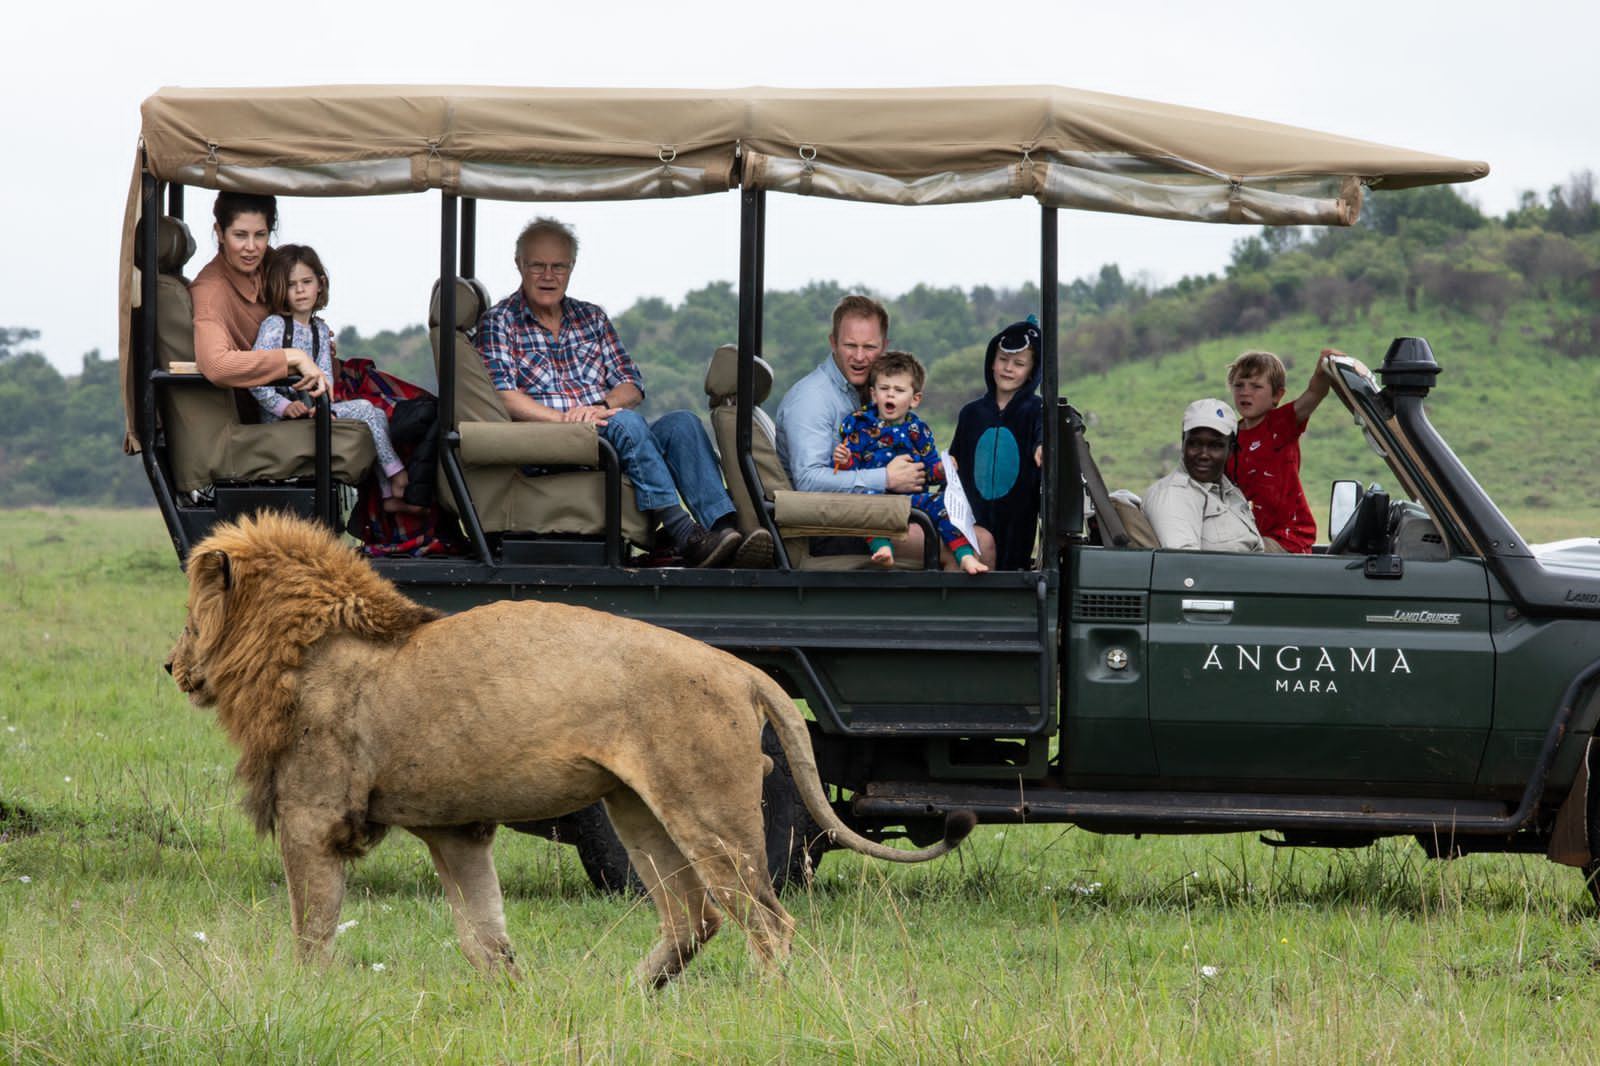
1175 812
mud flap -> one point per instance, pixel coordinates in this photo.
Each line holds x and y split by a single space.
1569 839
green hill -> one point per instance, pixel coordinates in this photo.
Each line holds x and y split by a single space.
1519 417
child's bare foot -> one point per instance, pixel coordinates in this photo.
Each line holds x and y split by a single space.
883 557
973 565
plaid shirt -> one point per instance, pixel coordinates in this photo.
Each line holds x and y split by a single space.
576 370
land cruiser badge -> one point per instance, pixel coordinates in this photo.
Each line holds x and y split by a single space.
1417 618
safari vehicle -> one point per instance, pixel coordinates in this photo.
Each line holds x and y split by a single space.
1425 673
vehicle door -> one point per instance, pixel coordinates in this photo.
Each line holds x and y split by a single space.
1305 671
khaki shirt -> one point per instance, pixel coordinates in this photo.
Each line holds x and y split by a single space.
1190 514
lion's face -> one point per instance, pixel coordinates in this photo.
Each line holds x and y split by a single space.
186 670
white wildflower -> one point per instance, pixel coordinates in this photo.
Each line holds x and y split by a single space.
342 926
1000 835
11 729
377 967
68 780
1208 971
25 879
198 935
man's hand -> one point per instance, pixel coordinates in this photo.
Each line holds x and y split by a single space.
311 379
905 474
587 413
1038 456
296 409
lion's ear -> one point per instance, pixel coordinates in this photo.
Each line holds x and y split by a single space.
225 565
210 577
213 566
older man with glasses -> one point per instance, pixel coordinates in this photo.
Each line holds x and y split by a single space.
556 359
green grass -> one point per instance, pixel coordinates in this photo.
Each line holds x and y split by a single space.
1032 944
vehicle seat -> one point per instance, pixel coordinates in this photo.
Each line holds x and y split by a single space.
501 459
1130 511
207 441
799 515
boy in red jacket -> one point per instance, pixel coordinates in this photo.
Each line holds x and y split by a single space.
1266 464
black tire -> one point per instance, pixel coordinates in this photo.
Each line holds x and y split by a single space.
604 858
793 839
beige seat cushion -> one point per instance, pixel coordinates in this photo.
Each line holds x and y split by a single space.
207 441
800 515
1141 534
494 450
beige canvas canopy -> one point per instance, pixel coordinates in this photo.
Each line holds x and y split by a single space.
1063 147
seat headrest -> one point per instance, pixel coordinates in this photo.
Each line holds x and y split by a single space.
722 377
472 300
174 245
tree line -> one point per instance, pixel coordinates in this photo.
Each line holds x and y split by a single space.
1430 248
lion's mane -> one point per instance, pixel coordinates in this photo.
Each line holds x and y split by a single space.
262 591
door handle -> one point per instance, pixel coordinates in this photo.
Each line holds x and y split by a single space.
1207 606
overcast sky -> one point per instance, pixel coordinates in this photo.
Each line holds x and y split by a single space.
1513 84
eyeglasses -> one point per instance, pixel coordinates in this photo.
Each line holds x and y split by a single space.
560 270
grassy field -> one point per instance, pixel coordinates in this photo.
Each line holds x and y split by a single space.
143 922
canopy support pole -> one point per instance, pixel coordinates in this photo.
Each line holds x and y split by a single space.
752 255
445 428
469 237
1049 289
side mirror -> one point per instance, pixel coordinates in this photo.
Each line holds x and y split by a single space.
1342 503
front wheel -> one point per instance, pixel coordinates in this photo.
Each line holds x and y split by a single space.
794 841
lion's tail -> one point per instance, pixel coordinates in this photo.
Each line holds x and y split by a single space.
796 740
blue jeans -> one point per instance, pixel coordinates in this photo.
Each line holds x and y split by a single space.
669 458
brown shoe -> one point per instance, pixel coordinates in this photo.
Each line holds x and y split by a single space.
710 547
755 551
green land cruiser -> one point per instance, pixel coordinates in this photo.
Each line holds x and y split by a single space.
1425 673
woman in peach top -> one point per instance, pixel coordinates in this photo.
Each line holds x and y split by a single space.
229 304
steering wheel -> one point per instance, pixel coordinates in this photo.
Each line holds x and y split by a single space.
1371 514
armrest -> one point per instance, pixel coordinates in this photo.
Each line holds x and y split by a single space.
540 443
185 378
845 514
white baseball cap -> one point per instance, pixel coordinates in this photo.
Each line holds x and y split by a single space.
1210 414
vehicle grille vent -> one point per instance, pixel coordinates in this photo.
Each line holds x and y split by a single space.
1108 606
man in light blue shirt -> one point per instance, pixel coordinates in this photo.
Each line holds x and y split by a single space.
809 416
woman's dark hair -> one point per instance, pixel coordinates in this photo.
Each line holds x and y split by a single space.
284 259
230 205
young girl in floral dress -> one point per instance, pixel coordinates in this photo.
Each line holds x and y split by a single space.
297 288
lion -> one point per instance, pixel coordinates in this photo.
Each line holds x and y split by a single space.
355 709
